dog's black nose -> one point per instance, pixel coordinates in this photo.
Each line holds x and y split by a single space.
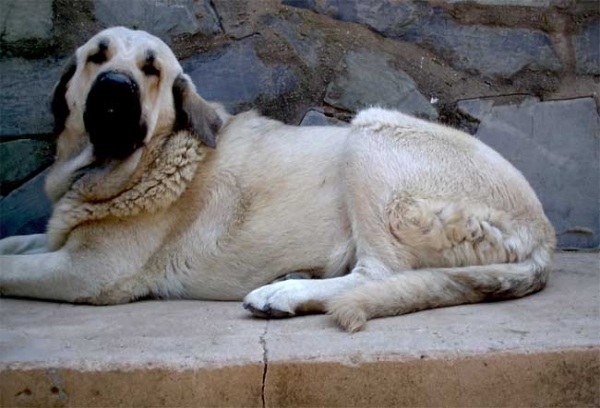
113 115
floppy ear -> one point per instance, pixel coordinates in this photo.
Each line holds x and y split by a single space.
59 106
193 113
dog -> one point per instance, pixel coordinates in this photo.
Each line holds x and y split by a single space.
159 193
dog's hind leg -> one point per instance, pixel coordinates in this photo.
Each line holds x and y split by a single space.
411 291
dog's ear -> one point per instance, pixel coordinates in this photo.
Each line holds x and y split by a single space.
194 113
59 106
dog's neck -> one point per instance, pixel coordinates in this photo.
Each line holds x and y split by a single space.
159 180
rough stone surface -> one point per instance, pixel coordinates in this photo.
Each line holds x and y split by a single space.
365 78
25 20
25 97
280 56
25 210
240 19
236 76
542 350
306 41
489 51
164 18
523 3
316 118
587 50
22 159
555 144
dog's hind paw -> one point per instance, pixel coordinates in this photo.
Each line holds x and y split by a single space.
348 316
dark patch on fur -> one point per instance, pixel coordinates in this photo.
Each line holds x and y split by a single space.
59 106
149 68
101 55
194 114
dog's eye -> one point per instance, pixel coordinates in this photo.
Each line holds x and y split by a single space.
97 58
150 70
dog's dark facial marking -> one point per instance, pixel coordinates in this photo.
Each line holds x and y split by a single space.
113 115
149 67
101 55
194 114
59 106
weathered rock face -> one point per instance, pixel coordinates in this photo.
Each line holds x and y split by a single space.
365 78
316 118
163 18
25 98
22 20
20 160
555 144
236 76
485 50
25 210
587 50
317 62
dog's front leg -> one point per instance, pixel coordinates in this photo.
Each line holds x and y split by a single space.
23 244
51 275
302 296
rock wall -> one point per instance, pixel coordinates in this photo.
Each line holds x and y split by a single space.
521 75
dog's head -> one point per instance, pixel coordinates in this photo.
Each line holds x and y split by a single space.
119 91
122 88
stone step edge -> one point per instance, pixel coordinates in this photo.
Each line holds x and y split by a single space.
569 377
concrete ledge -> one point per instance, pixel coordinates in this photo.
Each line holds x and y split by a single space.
543 350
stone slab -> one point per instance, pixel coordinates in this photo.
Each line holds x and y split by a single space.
366 78
315 117
484 50
25 210
26 90
587 50
235 75
542 350
163 18
25 20
20 160
556 145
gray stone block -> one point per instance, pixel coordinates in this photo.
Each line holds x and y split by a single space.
26 210
555 145
587 50
22 159
316 118
306 41
520 3
489 51
236 76
25 98
163 18
25 20
366 78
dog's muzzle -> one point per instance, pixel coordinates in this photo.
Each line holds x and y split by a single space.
113 115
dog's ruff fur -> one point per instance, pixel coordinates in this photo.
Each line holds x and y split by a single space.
390 215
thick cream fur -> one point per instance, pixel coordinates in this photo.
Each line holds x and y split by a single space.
390 215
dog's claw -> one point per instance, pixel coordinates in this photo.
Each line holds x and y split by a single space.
266 312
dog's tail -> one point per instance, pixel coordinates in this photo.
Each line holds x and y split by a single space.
415 290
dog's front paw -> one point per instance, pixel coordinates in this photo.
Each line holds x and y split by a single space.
282 299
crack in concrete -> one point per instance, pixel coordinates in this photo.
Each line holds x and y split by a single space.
263 342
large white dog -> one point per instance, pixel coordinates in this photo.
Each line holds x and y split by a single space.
158 193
